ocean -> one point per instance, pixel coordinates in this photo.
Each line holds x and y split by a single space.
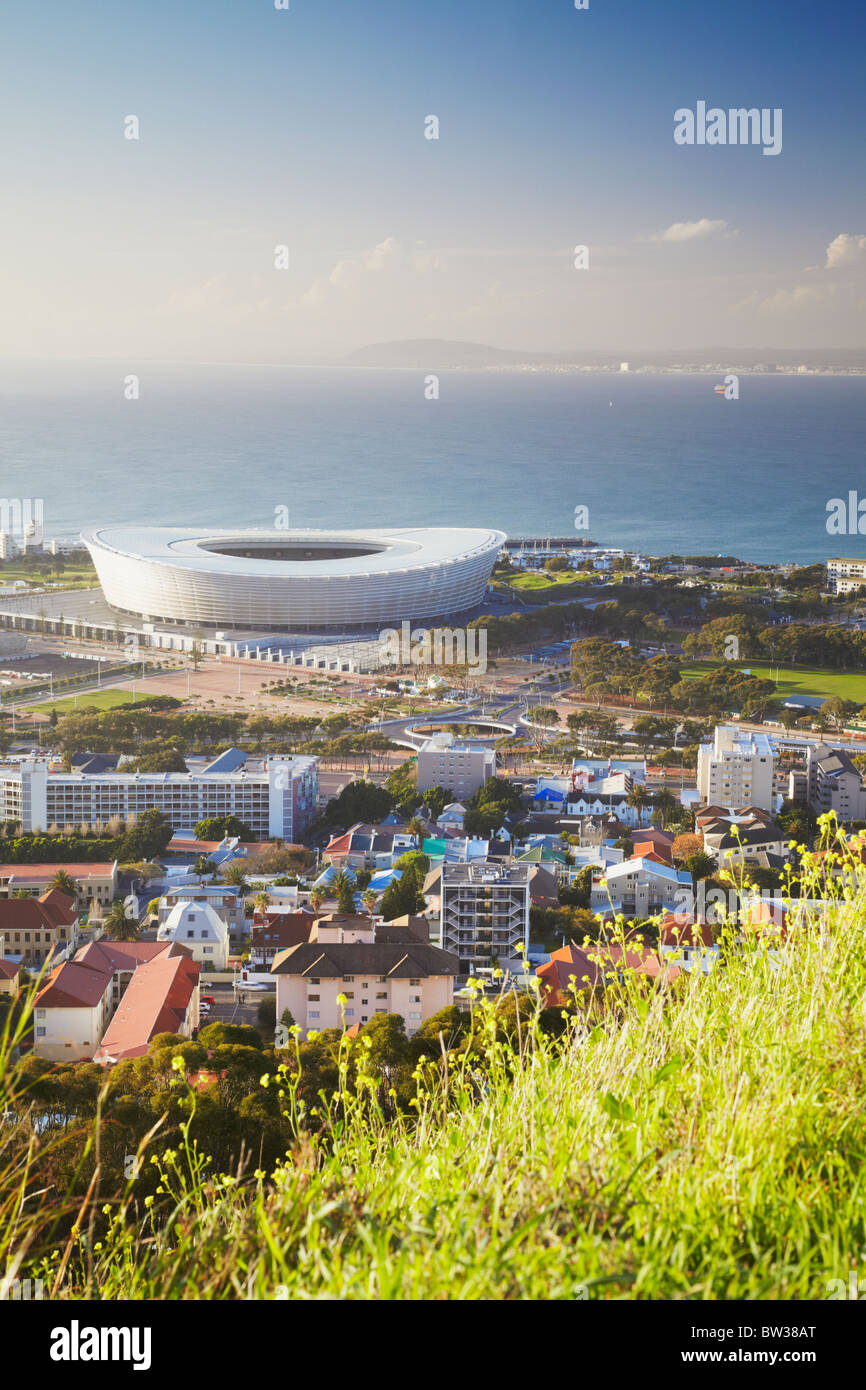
662 463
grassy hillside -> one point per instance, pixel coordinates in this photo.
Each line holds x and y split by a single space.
792 681
702 1141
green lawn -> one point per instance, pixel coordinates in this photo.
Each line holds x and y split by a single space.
794 680
546 581
102 699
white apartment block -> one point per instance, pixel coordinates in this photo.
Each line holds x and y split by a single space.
737 769
458 764
279 801
843 575
484 912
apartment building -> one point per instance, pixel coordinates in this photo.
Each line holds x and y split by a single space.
277 797
737 769
834 783
97 882
81 997
227 903
484 912
460 764
845 575
32 930
346 975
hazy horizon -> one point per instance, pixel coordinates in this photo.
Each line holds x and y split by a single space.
305 129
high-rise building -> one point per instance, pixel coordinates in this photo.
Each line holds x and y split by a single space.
484 912
737 769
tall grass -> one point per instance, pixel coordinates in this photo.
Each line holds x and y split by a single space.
704 1140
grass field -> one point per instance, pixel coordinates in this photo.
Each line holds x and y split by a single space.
795 680
545 581
697 1141
101 699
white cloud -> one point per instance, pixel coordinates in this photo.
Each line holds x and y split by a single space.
691 231
846 250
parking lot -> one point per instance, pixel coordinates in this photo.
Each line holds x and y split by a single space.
227 1008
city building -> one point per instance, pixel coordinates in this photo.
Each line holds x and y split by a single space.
10 973
32 930
844 576
460 765
354 969
196 926
277 798
285 581
227 903
737 769
640 887
484 912
741 836
834 783
81 997
97 882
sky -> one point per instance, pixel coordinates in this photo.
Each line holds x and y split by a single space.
305 128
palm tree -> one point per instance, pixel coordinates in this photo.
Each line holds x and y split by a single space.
65 883
261 901
317 897
665 803
638 798
417 829
119 926
233 874
369 898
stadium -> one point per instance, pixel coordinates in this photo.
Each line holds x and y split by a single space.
292 581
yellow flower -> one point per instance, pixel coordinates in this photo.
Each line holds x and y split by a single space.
149 1201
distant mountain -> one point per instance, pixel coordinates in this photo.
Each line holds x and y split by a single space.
443 353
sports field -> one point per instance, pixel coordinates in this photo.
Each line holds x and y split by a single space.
794 680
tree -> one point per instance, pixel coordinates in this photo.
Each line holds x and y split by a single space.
638 798
266 1013
147 839
666 804
218 827
417 829
317 897
235 875
685 846
540 718
121 924
387 1036
345 892
369 898
359 801
65 883
700 865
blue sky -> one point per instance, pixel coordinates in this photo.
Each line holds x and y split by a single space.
305 128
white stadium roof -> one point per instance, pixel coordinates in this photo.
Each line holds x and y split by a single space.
296 579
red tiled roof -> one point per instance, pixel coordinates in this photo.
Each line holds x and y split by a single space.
574 969
36 914
9 969
78 871
679 931
73 985
156 1001
288 929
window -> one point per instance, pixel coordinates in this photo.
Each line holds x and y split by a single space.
207 950
381 979
40 1032
313 982
40 1013
348 979
349 993
350 1011
414 982
414 998
313 998
313 1013
190 933
415 1015
382 994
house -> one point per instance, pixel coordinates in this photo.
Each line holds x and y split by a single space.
742 836
282 930
345 976
10 975
225 901
367 847
75 1006
574 971
161 997
199 927
33 930
688 941
640 887
452 817
97 882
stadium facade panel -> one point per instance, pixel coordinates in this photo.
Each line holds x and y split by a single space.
292 580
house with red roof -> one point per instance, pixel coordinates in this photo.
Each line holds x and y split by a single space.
32 930
75 1008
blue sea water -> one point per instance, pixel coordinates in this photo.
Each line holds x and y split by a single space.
663 464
